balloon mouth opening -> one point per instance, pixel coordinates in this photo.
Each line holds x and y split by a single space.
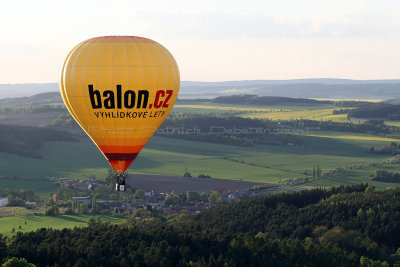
120 161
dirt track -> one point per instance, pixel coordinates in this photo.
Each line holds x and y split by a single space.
160 183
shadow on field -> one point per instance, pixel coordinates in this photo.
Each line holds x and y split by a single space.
68 218
145 162
335 146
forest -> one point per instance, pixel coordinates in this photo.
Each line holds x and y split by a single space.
344 226
386 176
379 110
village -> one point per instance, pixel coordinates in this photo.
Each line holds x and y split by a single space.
166 202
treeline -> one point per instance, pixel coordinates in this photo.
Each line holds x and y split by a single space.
370 126
352 104
205 123
392 149
265 100
346 226
378 110
27 141
340 111
385 176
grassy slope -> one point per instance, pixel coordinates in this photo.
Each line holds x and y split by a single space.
34 222
167 156
77 160
262 163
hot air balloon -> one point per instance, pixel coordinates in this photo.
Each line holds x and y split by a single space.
119 89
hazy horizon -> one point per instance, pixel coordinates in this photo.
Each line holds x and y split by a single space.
212 41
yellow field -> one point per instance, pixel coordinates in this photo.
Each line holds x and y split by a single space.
277 112
348 99
362 137
228 108
393 123
306 114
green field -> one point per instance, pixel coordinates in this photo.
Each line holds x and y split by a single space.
75 160
29 223
167 156
41 186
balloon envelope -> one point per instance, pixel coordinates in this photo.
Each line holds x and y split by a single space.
119 89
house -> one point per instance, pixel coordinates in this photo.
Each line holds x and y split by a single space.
3 201
149 193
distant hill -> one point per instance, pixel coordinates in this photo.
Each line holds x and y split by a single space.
394 101
26 89
35 100
304 88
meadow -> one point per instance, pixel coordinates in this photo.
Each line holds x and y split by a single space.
28 223
168 156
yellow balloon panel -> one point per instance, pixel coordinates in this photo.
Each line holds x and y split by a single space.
119 89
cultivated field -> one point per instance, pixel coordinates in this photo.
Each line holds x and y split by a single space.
162 183
349 177
273 112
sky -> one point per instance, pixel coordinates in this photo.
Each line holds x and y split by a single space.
211 40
